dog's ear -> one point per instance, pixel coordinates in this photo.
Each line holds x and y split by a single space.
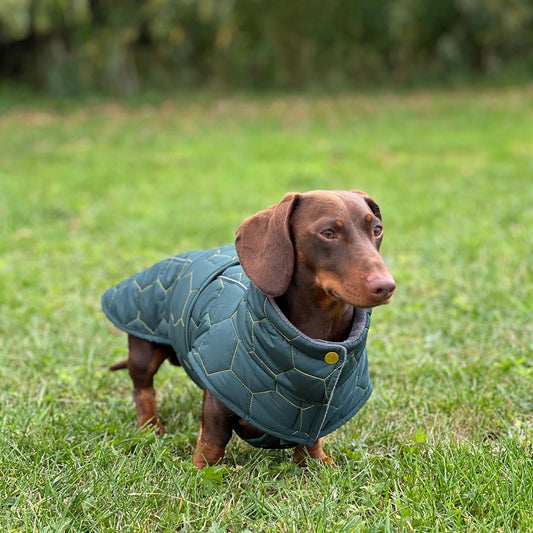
264 246
374 207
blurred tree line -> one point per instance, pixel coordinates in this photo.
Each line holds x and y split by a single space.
66 46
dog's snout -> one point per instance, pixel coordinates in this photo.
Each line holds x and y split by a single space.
382 287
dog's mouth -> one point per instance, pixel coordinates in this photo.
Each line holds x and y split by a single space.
362 294
334 296
371 301
339 300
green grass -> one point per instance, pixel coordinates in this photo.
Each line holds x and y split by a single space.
92 192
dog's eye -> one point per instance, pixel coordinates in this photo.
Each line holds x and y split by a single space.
378 230
329 234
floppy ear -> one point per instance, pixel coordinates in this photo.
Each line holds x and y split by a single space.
265 249
371 203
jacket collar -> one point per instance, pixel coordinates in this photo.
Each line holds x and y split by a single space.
265 306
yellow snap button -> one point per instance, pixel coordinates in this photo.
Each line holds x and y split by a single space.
331 358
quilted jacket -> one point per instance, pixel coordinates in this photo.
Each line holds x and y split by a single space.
233 340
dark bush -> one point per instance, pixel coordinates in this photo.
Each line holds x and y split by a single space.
66 46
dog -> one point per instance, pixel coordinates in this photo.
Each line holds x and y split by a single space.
273 329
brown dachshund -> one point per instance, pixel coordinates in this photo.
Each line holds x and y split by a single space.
314 258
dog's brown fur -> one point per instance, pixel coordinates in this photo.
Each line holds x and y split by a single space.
318 254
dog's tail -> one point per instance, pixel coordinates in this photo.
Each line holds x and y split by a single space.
119 366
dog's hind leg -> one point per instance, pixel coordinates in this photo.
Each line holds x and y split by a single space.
144 360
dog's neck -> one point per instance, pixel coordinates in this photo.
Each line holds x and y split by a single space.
316 314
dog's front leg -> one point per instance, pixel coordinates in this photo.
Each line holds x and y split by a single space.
215 432
302 453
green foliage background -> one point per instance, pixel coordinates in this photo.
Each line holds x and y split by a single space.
66 46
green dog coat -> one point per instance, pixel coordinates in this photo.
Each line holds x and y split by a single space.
234 340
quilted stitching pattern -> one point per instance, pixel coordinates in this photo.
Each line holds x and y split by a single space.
139 305
230 338
297 390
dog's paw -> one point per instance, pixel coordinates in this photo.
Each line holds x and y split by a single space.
302 455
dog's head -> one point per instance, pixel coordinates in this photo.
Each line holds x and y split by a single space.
331 238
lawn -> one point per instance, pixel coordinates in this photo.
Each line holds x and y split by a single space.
93 191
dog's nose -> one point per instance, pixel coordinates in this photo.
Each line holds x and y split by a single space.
382 287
